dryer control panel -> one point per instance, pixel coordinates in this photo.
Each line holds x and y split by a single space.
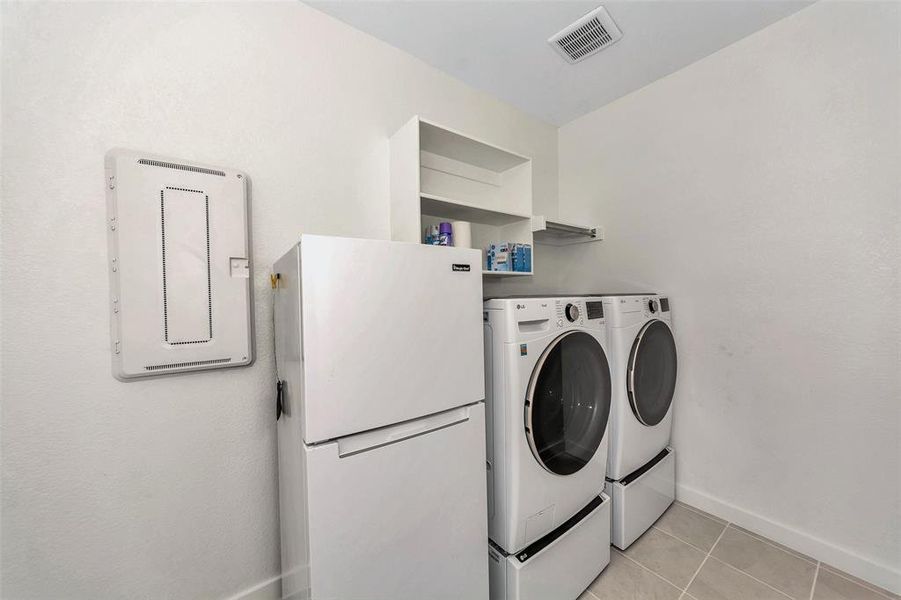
632 309
655 306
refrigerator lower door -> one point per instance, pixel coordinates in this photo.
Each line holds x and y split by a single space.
399 513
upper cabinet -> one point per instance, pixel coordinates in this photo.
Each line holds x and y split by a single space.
438 174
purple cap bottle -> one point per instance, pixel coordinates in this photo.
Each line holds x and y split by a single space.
445 234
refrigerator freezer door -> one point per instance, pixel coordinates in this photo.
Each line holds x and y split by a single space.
391 331
400 513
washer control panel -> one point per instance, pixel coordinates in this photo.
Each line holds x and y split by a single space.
521 319
569 312
578 311
594 309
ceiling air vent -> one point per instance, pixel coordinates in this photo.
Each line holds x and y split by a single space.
593 32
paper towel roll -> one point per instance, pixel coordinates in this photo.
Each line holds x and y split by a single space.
462 234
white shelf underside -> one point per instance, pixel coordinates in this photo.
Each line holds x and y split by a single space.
437 206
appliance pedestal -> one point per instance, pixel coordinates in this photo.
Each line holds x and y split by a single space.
641 497
560 565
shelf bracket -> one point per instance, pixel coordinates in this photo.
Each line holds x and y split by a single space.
559 233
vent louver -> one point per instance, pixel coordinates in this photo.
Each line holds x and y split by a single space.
180 167
592 33
193 363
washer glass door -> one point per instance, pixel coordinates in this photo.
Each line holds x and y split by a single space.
651 378
568 403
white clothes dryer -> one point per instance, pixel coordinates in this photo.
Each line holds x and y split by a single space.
548 395
640 467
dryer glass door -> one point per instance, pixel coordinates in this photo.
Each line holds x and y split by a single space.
651 378
568 403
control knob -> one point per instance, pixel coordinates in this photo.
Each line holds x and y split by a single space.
572 313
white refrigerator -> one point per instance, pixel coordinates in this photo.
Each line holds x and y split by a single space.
381 442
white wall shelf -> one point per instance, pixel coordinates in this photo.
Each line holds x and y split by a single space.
461 211
505 273
561 233
439 174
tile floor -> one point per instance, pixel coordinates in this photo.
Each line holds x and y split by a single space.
691 555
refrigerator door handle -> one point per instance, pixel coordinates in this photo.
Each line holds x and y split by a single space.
376 438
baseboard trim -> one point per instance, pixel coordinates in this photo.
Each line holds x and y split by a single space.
883 575
270 589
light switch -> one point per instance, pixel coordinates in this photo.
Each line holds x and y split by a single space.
240 267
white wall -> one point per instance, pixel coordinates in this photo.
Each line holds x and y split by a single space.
765 177
167 488
759 187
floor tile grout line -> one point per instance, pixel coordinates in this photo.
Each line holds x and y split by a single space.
703 562
590 593
770 543
861 582
684 595
686 542
790 551
816 576
761 581
650 570
706 515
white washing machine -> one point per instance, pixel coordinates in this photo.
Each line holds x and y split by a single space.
641 464
548 394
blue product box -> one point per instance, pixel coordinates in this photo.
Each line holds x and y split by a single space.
499 257
522 258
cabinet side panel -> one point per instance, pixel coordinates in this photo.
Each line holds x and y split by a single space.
404 182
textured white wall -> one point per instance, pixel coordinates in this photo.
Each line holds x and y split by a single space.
167 488
759 187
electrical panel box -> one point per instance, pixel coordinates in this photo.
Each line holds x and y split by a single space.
179 263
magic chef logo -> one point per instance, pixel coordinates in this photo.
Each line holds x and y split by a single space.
459 267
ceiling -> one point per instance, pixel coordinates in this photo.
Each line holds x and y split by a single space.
501 47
